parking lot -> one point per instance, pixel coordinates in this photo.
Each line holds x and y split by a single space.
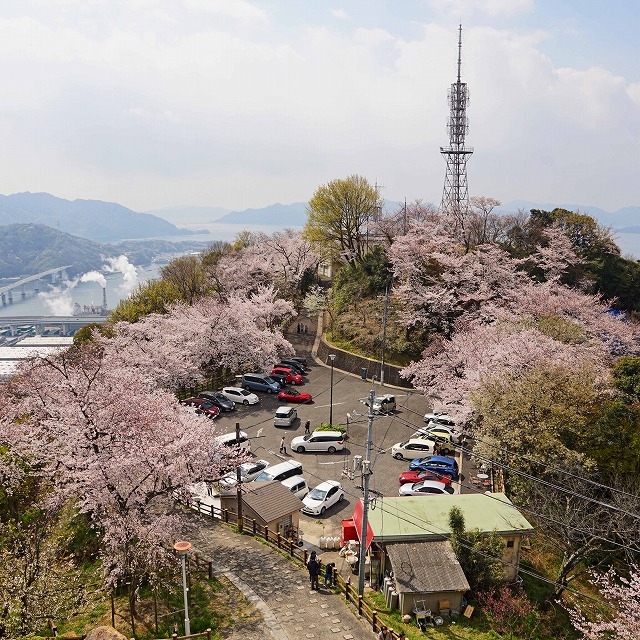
349 411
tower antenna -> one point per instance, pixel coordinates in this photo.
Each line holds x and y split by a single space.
455 195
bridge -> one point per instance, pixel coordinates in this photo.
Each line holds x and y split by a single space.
6 292
36 325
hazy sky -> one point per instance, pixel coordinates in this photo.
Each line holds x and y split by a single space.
239 103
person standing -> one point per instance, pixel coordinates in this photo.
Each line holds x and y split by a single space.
328 574
313 567
283 448
307 426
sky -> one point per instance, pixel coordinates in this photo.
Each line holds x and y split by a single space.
244 103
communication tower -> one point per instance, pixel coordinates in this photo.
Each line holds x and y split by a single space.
455 196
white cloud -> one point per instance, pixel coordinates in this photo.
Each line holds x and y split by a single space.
493 8
341 14
237 9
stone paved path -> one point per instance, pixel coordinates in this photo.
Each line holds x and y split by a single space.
277 587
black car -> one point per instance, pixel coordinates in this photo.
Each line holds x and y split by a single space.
278 378
218 400
291 364
300 359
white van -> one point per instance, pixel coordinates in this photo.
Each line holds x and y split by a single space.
297 485
281 471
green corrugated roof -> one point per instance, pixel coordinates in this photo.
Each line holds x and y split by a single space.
421 517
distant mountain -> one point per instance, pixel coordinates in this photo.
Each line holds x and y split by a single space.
281 215
190 215
625 217
27 249
91 219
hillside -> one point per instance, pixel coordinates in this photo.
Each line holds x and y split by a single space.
90 219
26 249
283 215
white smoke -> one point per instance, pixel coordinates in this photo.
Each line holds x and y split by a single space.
94 276
129 273
58 300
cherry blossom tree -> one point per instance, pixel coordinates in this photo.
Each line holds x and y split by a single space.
116 447
622 594
179 347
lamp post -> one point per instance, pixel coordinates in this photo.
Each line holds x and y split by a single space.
332 357
182 547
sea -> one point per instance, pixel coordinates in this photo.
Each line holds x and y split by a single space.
59 299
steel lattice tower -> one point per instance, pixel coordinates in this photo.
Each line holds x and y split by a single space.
455 196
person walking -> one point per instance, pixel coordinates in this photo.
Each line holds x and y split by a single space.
283 448
328 574
307 426
384 633
313 566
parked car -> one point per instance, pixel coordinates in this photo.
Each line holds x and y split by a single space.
290 376
440 431
289 363
230 439
281 471
240 395
194 401
293 395
259 382
409 477
297 485
325 495
219 400
383 404
427 488
439 464
440 417
248 471
285 417
208 410
281 380
444 442
329 441
412 449
300 360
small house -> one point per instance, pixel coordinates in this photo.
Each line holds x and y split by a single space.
269 503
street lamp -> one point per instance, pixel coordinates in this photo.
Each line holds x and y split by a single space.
182 547
332 357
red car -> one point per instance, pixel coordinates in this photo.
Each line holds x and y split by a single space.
417 476
204 407
291 395
289 376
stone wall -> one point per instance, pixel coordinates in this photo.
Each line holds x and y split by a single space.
353 363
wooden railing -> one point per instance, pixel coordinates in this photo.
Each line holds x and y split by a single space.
257 530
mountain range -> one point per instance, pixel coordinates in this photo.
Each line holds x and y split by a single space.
91 219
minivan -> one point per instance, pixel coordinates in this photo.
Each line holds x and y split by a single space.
285 417
384 404
259 382
297 485
230 438
439 464
281 471
329 441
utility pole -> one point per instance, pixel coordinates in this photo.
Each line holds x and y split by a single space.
384 333
404 225
366 472
239 484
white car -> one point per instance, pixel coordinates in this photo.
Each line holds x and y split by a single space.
285 417
248 471
329 441
240 395
325 495
427 488
297 485
412 449
440 417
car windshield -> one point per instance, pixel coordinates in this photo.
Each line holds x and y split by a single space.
449 489
244 392
269 380
264 476
318 494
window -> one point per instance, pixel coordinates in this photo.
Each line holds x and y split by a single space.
510 544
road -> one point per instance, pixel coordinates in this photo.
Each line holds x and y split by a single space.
348 391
